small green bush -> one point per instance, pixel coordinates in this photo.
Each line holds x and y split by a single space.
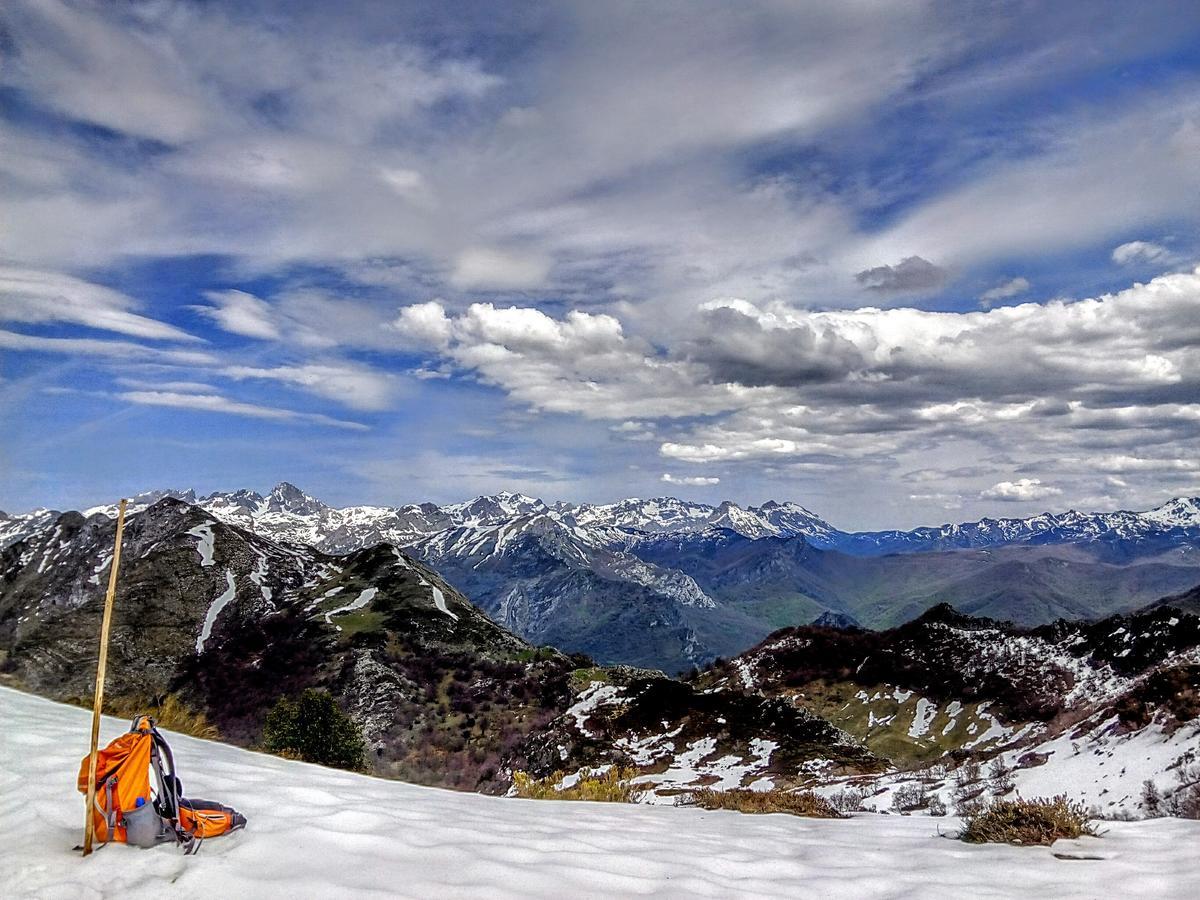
313 728
1027 822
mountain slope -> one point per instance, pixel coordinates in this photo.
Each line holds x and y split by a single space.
947 688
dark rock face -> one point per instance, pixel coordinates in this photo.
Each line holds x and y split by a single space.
835 620
230 622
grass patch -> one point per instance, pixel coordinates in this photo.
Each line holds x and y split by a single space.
614 786
804 803
1027 822
360 621
172 714
581 678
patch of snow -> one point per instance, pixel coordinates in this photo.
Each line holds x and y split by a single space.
922 718
439 600
357 603
214 610
590 699
204 543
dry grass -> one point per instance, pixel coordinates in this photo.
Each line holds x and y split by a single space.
614 786
775 801
1027 822
172 714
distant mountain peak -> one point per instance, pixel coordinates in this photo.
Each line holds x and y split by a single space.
285 496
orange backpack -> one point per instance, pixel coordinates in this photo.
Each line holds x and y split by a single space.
130 811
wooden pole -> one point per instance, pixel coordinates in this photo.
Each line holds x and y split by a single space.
101 665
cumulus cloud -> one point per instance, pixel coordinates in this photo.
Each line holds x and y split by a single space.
424 325
1139 252
910 274
870 390
1011 288
690 480
32 296
240 313
583 363
1021 490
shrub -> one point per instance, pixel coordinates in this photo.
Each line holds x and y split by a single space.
613 786
937 806
1027 822
967 774
1185 801
848 800
909 797
313 728
1001 776
774 801
1151 799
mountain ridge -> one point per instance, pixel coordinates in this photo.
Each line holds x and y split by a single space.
286 504
669 584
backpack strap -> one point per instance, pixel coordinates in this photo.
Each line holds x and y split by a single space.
169 791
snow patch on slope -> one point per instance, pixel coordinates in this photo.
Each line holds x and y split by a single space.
204 543
214 610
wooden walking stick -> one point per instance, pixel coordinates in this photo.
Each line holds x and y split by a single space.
98 704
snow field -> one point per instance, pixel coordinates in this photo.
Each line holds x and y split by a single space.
317 832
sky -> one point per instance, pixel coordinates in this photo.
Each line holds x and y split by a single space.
901 263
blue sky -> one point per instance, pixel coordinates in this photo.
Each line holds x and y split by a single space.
903 263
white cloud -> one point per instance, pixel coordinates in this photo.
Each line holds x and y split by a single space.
240 313
1021 490
1105 169
28 295
483 268
221 404
866 393
690 480
1011 288
424 325
1139 252
186 387
355 386
583 363
102 349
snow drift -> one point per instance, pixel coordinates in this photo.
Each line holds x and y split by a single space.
317 832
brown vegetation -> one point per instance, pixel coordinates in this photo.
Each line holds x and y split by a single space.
774 801
1027 822
613 786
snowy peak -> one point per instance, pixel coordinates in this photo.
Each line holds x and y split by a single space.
141 502
669 515
1182 512
491 510
288 498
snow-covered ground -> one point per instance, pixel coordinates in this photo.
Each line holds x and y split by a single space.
316 832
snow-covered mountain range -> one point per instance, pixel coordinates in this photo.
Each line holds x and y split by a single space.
669 583
287 513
